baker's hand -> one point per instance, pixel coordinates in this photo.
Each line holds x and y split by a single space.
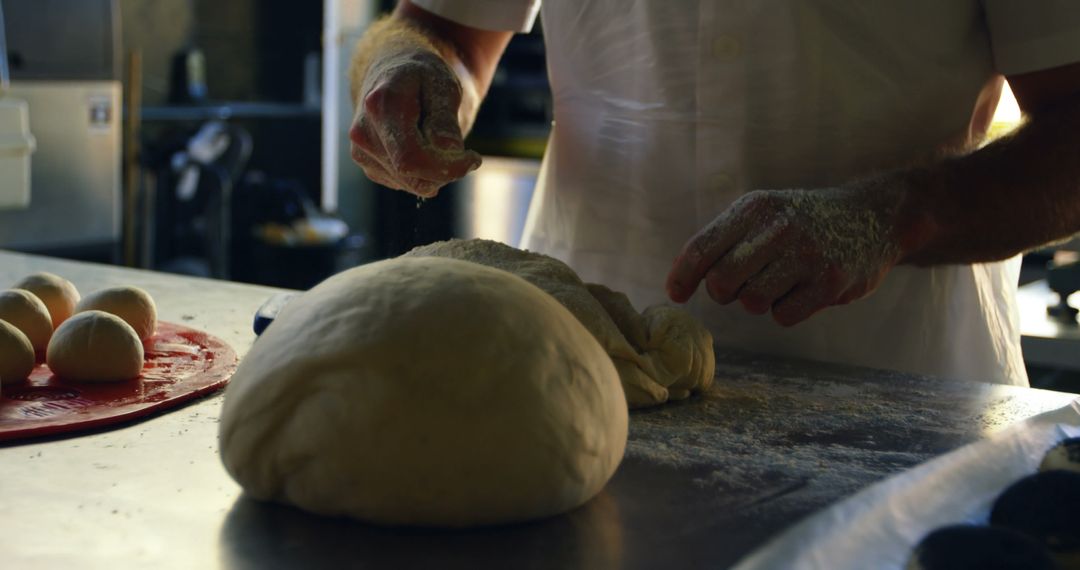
406 133
792 251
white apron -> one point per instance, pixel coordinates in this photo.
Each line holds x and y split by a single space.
666 111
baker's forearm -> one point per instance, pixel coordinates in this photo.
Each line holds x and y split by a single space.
1012 195
472 54
795 252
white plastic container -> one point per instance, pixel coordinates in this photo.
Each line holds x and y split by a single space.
16 146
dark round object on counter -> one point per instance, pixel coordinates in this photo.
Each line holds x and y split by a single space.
1044 506
967 547
1065 455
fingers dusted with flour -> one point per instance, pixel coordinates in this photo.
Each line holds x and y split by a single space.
417 81
406 127
791 252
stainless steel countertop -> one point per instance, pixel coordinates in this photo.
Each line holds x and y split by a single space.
704 482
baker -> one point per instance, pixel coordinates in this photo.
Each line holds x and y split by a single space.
819 161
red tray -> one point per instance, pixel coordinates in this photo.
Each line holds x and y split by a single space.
181 364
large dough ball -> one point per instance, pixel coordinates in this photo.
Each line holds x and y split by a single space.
660 354
29 314
58 294
425 391
16 354
95 347
132 304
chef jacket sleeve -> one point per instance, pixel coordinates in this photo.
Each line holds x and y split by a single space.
1031 35
496 15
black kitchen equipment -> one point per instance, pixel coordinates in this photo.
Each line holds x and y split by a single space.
1063 279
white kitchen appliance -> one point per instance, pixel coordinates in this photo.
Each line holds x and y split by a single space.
16 142
64 66
16 146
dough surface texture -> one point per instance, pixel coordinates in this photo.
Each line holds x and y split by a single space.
59 295
95 346
16 354
661 354
425 392
29 314
132 304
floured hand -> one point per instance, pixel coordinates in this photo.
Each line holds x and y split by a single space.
406 132
794 252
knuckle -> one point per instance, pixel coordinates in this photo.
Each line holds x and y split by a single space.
378 176
467 163
363 162
454 171
447 85
435 67
362 158
375 101
361 138
757 200
745 204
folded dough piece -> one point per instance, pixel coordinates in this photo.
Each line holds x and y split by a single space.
661 354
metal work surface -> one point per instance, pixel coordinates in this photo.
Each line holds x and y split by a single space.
704 481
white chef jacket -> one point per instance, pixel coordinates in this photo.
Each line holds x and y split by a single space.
667 111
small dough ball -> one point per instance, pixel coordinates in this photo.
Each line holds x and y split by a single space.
29 314
1046 507
16 354
425 391
132 304
1064 455
95 346
966 547
58 294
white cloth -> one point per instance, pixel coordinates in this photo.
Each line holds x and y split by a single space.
666 112
500 15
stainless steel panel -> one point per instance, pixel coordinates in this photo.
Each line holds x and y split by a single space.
493 201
